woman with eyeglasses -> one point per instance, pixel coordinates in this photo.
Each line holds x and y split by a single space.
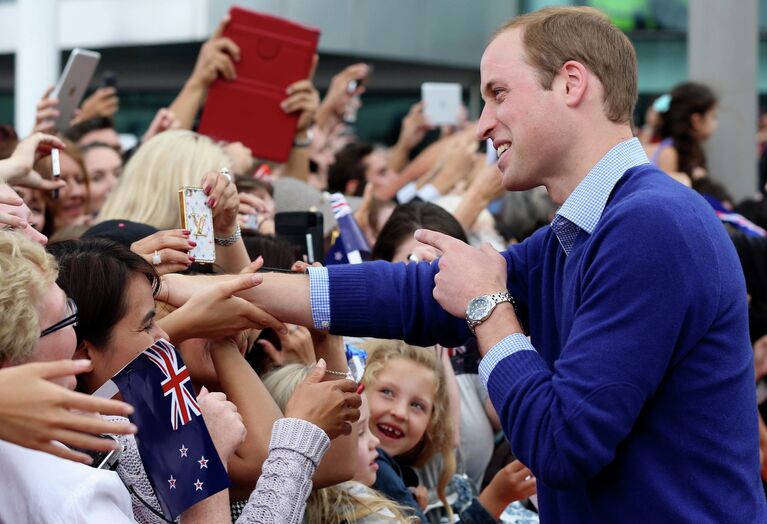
115 291
37 327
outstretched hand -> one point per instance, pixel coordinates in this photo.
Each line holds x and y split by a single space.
215 311
217 58
332 405
35 412
464 272
18 169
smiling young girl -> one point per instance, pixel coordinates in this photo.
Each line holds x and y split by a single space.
409 414
348 502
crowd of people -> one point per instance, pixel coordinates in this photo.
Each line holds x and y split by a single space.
572 334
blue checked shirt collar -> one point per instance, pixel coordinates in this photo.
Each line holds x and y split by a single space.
583 208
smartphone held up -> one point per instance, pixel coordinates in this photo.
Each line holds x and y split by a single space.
197 217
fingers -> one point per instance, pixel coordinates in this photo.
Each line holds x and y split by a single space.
220 27
253 266
488 249
274 354
13 221
236 285
66 453
317 373
83 441
353 400
217 187
95 425
224 65
46 185
11 200
261 318
256 203
436 239
169 239
305 86
48 92
313 69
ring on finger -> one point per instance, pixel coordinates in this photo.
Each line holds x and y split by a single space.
156 258
225 172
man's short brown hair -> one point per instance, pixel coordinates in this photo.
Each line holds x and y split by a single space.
554 35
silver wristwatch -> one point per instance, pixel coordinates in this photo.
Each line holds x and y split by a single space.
481 307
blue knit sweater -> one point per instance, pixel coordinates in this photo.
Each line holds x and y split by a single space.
639 403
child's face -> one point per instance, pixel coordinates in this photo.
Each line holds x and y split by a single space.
401 399
366 469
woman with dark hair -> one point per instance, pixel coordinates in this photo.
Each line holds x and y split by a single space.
115 290
395 242
689 120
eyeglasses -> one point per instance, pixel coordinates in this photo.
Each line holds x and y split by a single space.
69 320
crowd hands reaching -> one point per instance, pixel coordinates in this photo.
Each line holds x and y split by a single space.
252 364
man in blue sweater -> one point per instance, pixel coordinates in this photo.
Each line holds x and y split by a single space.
634 399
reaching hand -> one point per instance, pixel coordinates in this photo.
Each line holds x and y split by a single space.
338 96
332 405
18 169
217 57
304 98
172 246
224 200
35 412
214 311
103 102
295 346
513 482
46 113
224 422
414 127
163 120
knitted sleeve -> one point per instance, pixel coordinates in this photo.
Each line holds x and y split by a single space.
295 450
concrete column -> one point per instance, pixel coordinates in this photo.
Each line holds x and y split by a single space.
37 58
722 47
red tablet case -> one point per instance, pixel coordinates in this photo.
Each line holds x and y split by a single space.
274 53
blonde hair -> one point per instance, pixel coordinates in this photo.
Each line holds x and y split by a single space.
148 188
26 272
345 502
438 437
554 35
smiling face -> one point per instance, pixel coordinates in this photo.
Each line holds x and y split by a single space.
367 468
401 397
520 117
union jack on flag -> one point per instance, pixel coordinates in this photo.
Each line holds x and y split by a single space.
183 403
179 458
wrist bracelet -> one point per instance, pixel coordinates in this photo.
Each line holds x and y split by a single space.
228 241
342 374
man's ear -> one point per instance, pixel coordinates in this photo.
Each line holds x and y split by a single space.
576 82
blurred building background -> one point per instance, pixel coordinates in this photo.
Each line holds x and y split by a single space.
151 46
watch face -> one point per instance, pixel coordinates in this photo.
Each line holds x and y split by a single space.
478 308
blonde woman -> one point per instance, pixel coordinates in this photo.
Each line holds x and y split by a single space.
148 190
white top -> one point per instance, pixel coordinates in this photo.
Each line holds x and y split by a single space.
38 487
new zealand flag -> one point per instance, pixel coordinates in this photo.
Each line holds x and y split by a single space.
175 447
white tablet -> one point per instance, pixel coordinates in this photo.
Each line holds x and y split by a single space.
441 102
73 82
